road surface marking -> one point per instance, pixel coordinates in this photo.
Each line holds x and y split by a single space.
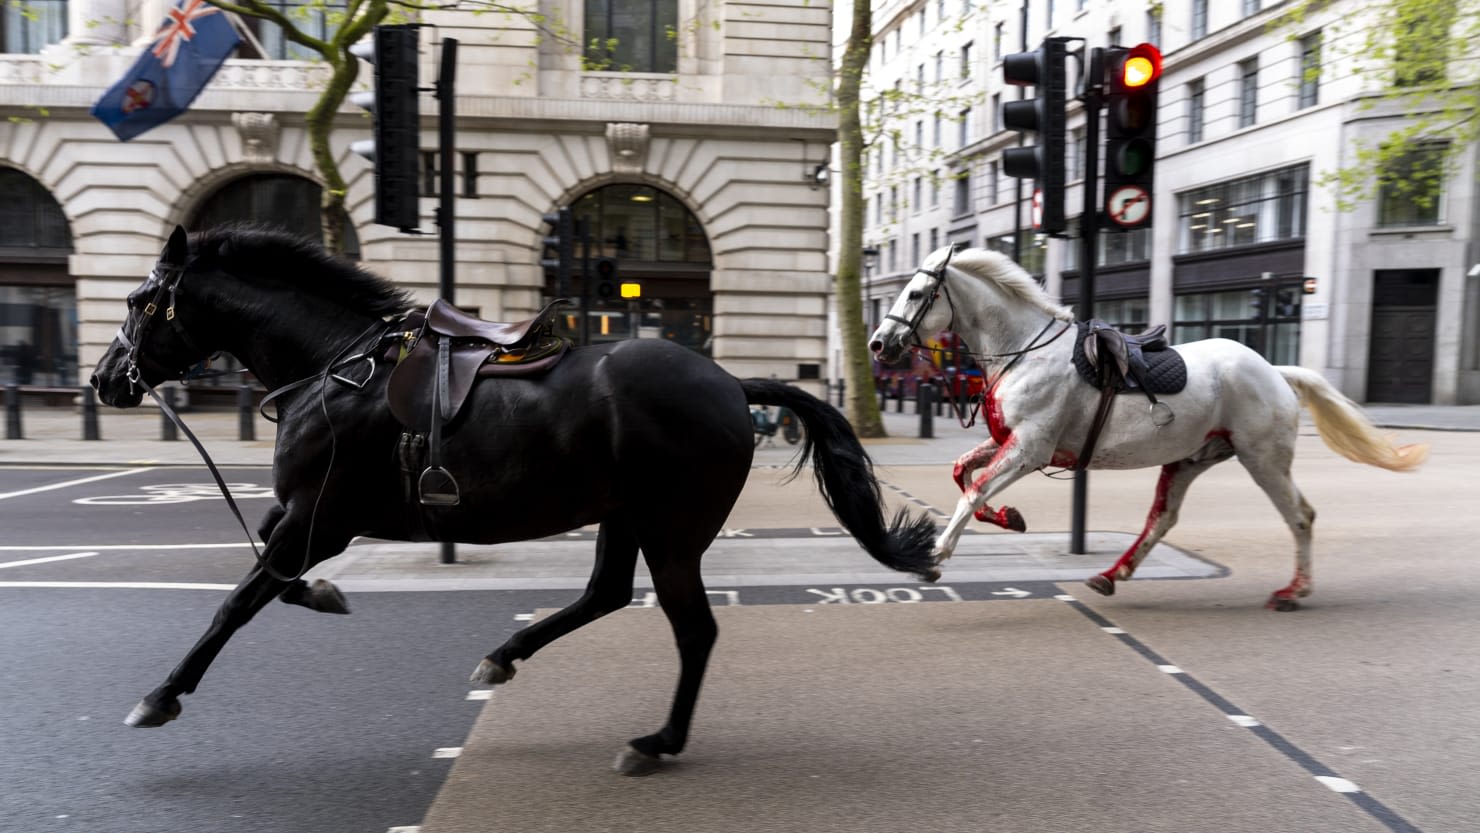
1340 785
1170 669
447 752
67 483
120 585
481 694
1244 720
117 547
45 560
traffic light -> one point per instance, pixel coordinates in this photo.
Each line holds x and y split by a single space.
1044 70
1133 75
395 148
607 288
560 245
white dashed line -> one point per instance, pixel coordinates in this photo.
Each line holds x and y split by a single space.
447 752
481 694
1340 785
1113 630
415 828
1243 720
119 585
65 484
1170 669
523 617
1066 598
49 558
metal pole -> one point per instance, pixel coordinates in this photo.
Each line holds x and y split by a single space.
246 427
925 395
447 206
1089 230
167 430
585 283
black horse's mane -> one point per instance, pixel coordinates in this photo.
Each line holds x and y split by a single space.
247 251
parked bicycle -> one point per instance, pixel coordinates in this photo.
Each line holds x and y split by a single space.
766 427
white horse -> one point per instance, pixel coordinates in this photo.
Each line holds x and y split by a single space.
1040 412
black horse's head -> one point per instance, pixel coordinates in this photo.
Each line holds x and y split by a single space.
152 346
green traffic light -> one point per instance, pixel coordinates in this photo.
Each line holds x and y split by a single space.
1134 158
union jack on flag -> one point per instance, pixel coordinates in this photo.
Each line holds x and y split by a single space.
193 41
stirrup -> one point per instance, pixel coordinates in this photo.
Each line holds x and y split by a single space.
437 487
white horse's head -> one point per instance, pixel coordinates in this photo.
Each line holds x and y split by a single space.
915 311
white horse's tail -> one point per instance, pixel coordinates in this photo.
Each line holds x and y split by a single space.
1345 428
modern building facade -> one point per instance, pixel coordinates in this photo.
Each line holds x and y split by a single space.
1255 111
690 145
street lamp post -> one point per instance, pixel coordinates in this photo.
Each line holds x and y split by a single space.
870 262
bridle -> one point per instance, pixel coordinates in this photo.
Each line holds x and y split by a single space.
168 277
940 287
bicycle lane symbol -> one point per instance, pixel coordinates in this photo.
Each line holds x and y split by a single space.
178 493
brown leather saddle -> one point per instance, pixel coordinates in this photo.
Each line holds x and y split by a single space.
450 352
1117 362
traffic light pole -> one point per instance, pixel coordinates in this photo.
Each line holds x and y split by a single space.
586 280
447 204
1089 235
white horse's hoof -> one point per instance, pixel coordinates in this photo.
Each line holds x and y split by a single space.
942 554
490 673
636 764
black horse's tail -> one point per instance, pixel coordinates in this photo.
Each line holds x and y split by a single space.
845 476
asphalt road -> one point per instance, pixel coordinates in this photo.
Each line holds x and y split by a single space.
316 723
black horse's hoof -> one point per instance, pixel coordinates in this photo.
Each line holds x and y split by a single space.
1014 521
1101 585
1282 604
324 597
147 715
636 764
489 672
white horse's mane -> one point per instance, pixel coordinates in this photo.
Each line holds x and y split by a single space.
987 265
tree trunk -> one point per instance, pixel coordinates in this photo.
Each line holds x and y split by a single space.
858 372
320 125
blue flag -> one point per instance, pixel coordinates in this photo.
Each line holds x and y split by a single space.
190 46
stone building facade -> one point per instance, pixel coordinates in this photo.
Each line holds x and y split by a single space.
693 155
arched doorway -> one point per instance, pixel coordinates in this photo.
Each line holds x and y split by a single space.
284 201
38 298
657 242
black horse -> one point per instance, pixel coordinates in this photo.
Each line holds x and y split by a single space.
648 439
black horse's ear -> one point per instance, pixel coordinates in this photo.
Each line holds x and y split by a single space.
177 249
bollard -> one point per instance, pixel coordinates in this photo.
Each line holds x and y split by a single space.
13 412
167 430
90 414
899 396
246 427
842 391
924 398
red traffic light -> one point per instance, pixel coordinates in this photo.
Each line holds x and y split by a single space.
1141 66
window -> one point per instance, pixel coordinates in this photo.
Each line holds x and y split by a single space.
920 21
917 200
1048 15
38 298
1310 70
1133 246
996 113
966 60
26 27
893 257
1130 315
998 33
467 174
919 134
936 140
1251 7
940 66
1194 111
1256 209
1423 40
1266 317
642 223
915 248
962 203
935 190
1113 39
634 35
965 137
893 203
1074 158
934 239
993 194
1032 246
920 79
1248 91
1199 19
1153 24
1409 191
320 20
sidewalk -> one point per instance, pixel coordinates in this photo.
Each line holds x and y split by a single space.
53 437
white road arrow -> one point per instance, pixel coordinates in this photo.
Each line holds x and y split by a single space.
1013 592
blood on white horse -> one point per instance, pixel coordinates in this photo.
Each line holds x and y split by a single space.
1039 411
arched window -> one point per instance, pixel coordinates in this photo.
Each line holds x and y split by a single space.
281 200
658 243
26 27
38 299
632 35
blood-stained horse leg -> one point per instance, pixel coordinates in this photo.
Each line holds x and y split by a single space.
1010 461
1271 470
968 464
1171 488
